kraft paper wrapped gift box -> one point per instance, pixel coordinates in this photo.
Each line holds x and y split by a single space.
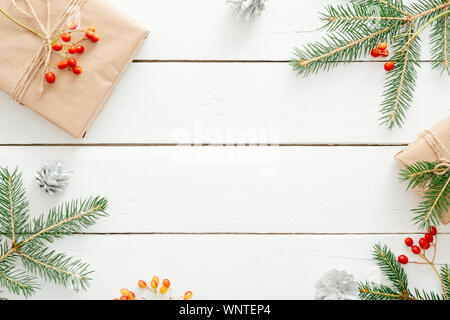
432 145
72 102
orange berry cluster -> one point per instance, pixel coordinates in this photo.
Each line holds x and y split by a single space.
381 50
67 48
425 243
154 285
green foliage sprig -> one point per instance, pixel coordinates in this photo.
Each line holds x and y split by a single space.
399 288
357 27
26 239
435 178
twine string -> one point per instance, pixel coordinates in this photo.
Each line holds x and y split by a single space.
440 150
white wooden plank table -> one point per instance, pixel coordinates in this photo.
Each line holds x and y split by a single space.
311 186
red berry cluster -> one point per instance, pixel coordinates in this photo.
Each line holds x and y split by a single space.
381 50
70 48
154 284
424 244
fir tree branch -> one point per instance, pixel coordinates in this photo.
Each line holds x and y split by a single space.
13 204
345 46
66 220
372 291
445 276
440 42
392 268
436 203
419 174
56 267
401 82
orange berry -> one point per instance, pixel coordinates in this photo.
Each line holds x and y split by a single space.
382 46
384 53
142 284
156 279
163 289
131 295
90 34
124 292
92 28
166 283
124 298
153 284
116 299
188 295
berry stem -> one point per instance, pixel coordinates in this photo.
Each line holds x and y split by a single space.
431 263
21 25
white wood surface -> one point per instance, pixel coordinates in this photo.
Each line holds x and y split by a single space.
224 221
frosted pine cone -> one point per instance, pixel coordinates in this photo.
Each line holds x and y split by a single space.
337 285
247 9
52 178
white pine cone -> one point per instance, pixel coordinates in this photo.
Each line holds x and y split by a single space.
247 9
52 178
337 285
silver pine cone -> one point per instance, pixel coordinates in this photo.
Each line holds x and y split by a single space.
52 178
247 9
337 285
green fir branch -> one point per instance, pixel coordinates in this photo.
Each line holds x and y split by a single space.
67 219
419 174
392 269
13 204
401 81
56 267
436 202
440 44
354 30
341 47
28 240
373 291
445 276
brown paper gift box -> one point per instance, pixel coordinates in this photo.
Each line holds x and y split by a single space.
422 150
72 102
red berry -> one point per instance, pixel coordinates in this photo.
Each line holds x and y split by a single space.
66 37
57 46
382 46
384 53
429 237
409 242
95 38
72 50
77 70
388 66
62 64
72 62
90 34
166 283
432 231
415 249
124 298
403 259
92 28
50 77
427 246
423 243
375 53
79 48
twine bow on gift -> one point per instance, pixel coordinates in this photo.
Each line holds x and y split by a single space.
440 150
41 60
